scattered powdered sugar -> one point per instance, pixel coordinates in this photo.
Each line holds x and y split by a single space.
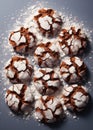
25 19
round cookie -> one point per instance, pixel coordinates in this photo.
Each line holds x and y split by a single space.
72 41
46 55
48 109
18 70
23 41
46 81
48 22
19 98
75 97
72 69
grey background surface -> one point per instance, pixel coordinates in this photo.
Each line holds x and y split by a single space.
83 9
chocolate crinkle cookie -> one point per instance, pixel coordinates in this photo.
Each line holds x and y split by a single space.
75 97
48 109
46 55
72 69
18 70
23 40
19 98
46 81
72 41
48 22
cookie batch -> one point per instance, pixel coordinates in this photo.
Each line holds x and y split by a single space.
56 78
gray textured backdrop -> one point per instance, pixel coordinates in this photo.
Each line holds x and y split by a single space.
83 9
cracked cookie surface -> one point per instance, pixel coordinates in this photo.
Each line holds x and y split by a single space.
18 70
72 69
48 21
46 55
48 109
75 97
19 98
46 81
72 41
23 41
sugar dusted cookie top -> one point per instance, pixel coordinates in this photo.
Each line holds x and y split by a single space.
46 81
48 109
18 70
19 98
23 40
48 21
75 97
46 55
72 69
72 41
